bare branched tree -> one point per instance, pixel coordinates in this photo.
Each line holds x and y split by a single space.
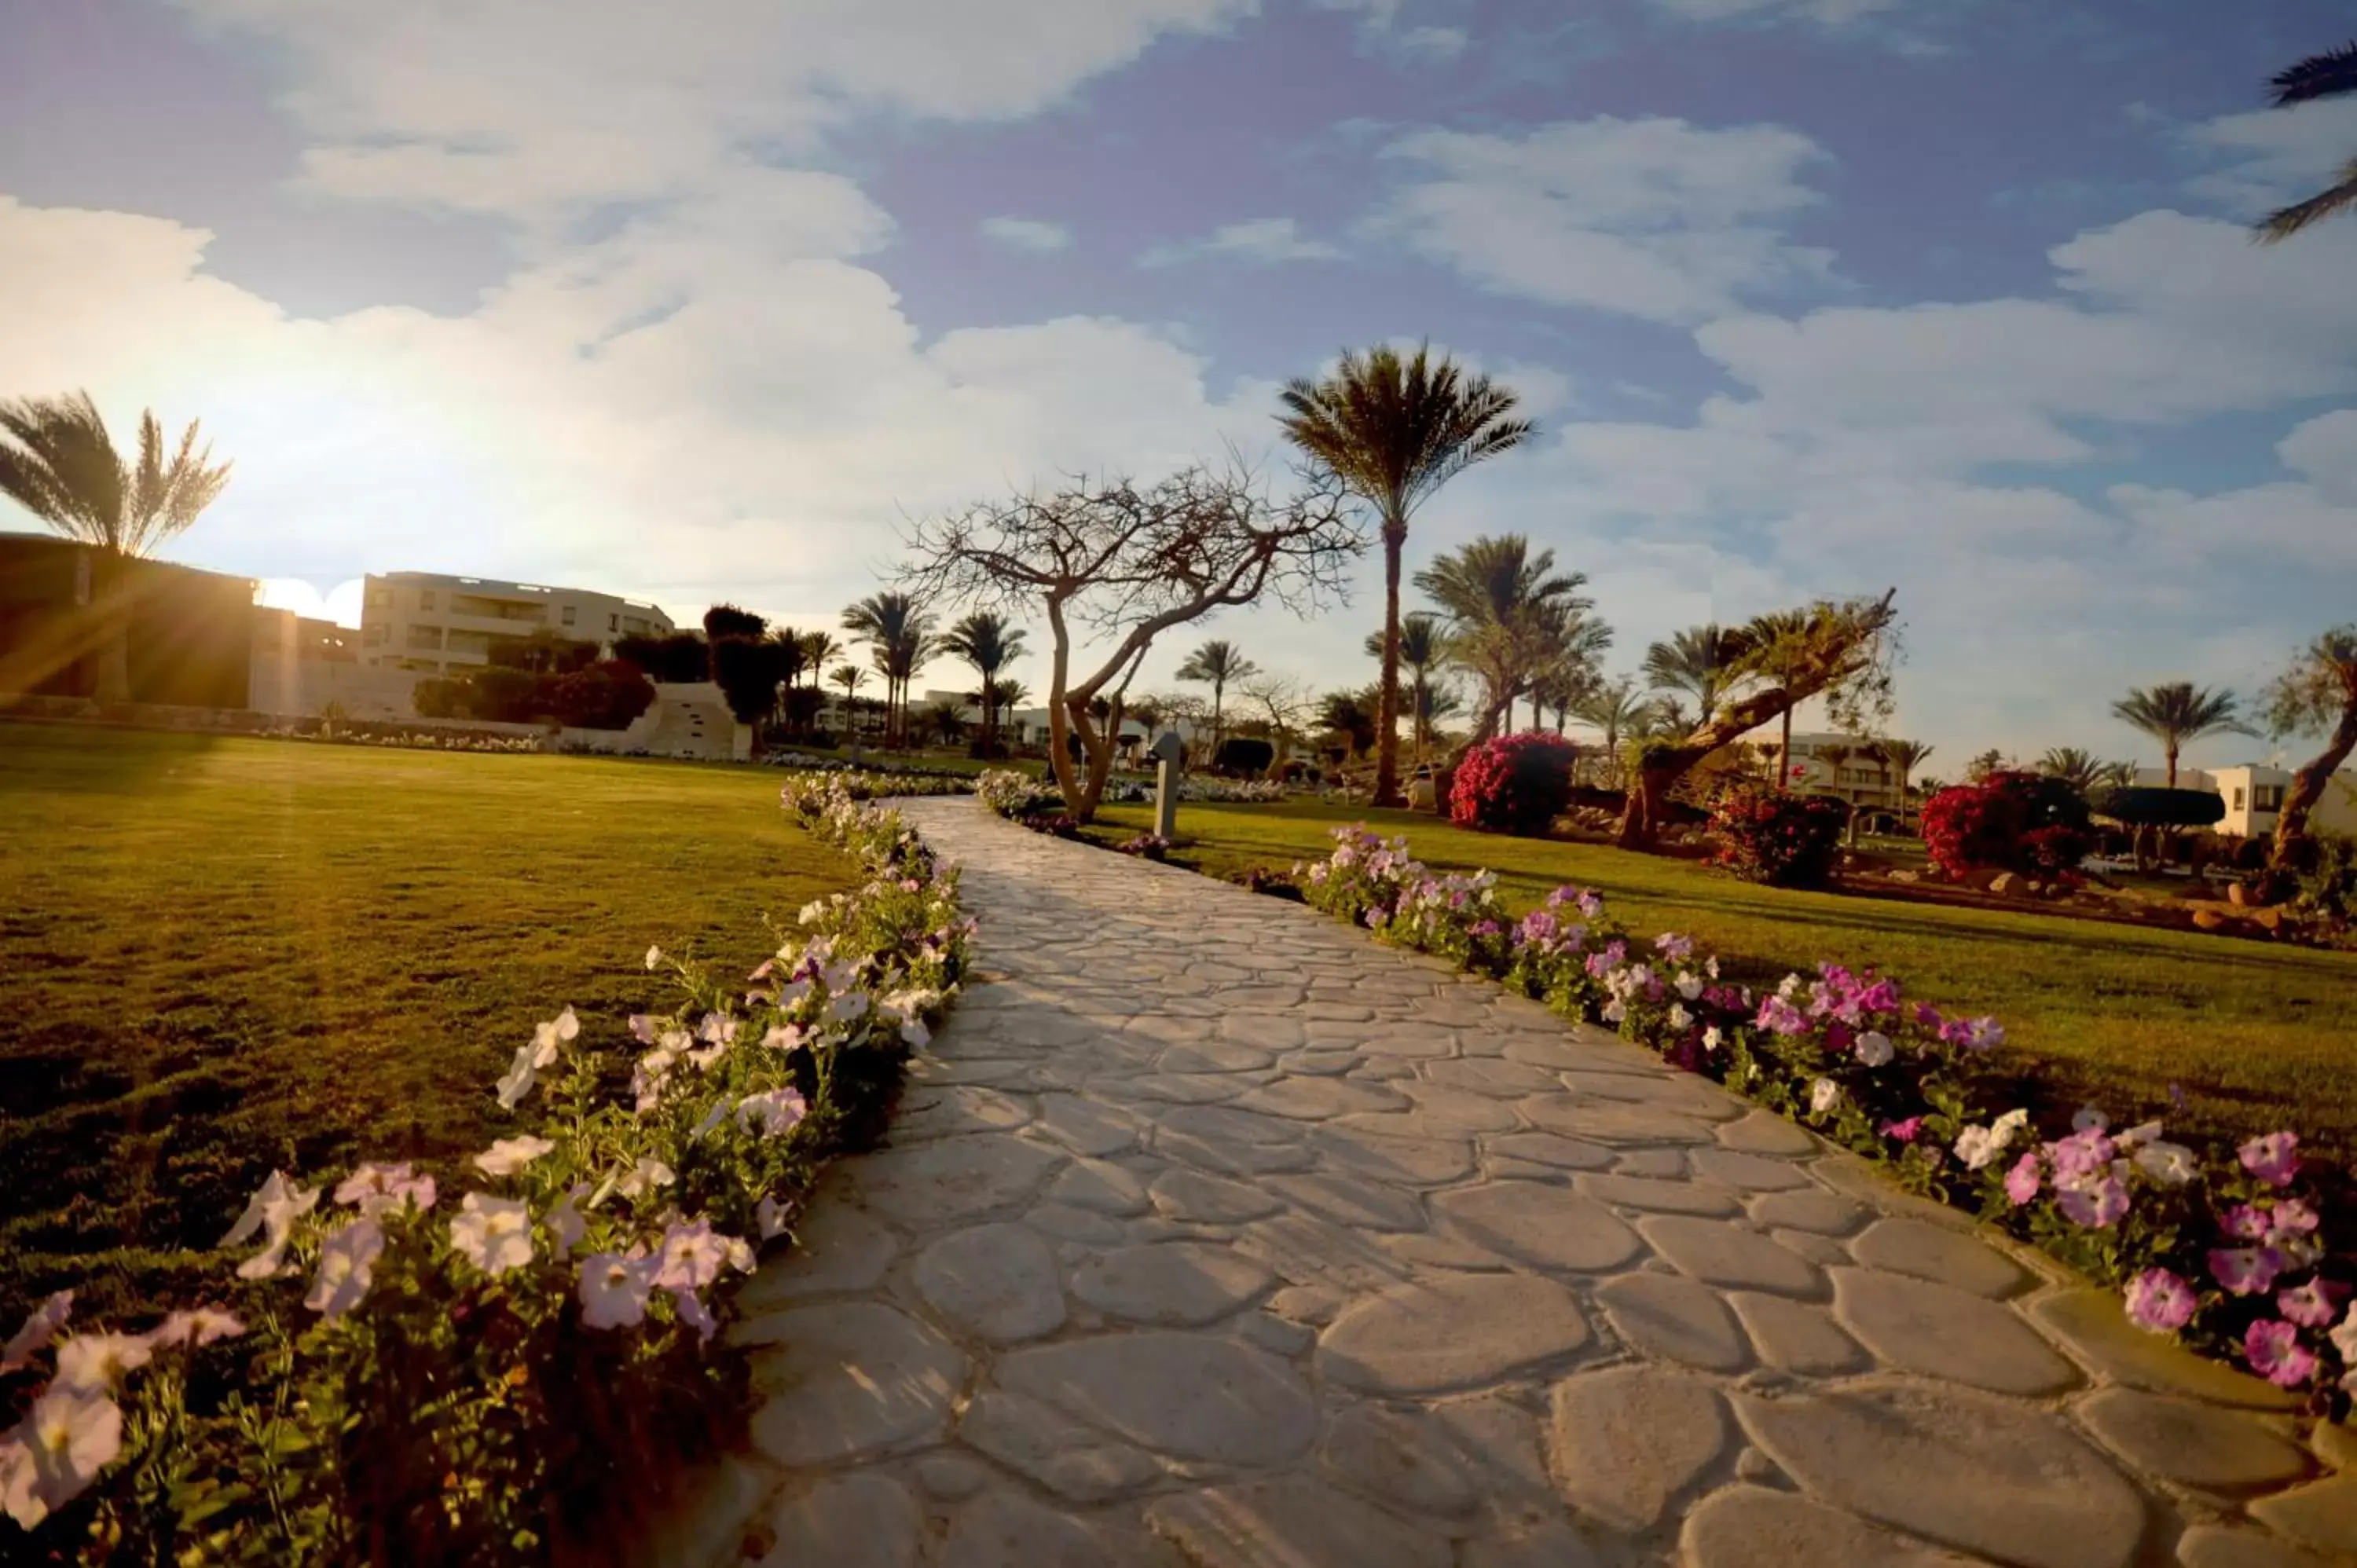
1114 564
1287 707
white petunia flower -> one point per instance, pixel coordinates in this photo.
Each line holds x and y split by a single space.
1976 1146
2171 1164
565 1226
272 1210
346 1261
614 1290
40 1327
1823 1095
847 1006
771 1216
654 956
2089 1119
65 1440
508 1155
95 1363
1874 1048
1712 1038
492 1233
644 1177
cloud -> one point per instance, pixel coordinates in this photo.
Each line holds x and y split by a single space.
1656 218
1432 43
551 108
1829 13
1027 233
2272 157
1265 240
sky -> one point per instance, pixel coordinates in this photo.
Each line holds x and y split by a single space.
706 301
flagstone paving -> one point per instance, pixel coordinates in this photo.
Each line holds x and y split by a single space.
1213 1234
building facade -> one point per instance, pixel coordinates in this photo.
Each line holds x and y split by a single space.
2255 797
434 623
1839 764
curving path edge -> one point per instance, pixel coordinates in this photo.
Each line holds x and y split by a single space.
1213 1234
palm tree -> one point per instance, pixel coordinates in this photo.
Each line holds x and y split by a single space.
850 677
1902 757
818 647
2074 766
1511 619
990 644
900 640
2119 775
943 720
1703 662
57 462
1774 647
1615 709
2178 713
2331 74
1421 638
1392 431
1221 663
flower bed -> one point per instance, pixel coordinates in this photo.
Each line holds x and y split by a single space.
1020 798
2222 1248
906 779
867 784
412 1367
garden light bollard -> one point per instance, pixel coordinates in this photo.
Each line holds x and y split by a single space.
1166 750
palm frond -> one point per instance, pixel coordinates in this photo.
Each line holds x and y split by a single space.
2326 75
2337 199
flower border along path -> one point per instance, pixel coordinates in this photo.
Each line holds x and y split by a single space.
1213 1235
518 1376
2223 1248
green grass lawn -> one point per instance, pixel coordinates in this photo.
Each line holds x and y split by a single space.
222 955
2256 1036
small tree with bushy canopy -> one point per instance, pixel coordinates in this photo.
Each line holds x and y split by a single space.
1514 784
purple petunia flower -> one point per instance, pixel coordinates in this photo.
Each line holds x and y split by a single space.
2273 1159
2275 1352
2245 1270
2160 1301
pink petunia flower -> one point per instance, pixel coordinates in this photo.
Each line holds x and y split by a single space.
1903 1131
2245 1270
2273 1159
2021 1182
2160 1301
2246 1223
2097 1206
2313 1304
2275 1352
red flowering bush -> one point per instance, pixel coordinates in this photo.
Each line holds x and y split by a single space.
2011 821
1785 841
1514 784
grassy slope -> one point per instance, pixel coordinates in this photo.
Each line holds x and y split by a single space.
2256 1036
222 955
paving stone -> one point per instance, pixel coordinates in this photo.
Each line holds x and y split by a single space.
1749 1172
2209 1546
1275 1334
1625 1440
1353 1200
1606 1122
1940 1330
1443 1111
1795 1337
1495 1078
1826 1252
1039 1440
1085 1226
1652 1165
1764 1132
1675 1319
714 1518
2322 1515
1316 1099
1099 1186
1263 1033
950 1476
1187 1396
1290 1523
1170 1088
1211 1200
994 1282
1934 1253
954 1182
2198 1444
847 1380
1303 1249
1809 1209
838 1249
949 1110
1543 1544
1661 1197
1751 1527
1360 1146
1538 1223
1308 1304
1959 1468
2335 1444
1176 1284
1087 1126
1730 1257
1450 1332
1319 1063
1551 1149
1426 1250
1229 1142
1401 1459
2092 1325
1217 1056
860 1521
1003 1529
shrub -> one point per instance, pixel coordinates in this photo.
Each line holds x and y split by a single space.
675 660
1242 754
438 697
2327 883
1785 841
609 695
2009 821
504 696
1514 784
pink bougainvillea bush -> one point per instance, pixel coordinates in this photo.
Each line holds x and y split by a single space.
1514 784
2220 1247
508 1360
1783 839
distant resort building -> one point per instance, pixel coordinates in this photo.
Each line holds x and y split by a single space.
434 623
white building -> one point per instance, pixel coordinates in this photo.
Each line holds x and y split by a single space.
2255 797
1835 765
433 624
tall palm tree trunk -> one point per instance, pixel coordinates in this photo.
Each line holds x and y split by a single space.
2284 855
1387 792
2169 757
1784 757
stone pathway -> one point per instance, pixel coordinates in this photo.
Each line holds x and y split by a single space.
1214 1233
